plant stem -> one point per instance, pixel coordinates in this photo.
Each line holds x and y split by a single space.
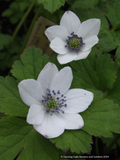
96 147
22 20
24 24
30 29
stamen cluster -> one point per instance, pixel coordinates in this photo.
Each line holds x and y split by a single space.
74 43
54 101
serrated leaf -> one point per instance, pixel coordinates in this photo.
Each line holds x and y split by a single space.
114 93
97 71
16 136
102 118
52 5
77 141
108 41
113 8
10 101
32 62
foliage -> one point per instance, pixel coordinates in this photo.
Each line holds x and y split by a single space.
52 5
16 10
98 73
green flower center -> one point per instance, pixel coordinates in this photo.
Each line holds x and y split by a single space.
74 43
51 103
54 101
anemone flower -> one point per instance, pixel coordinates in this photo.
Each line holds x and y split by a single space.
73 40
53 106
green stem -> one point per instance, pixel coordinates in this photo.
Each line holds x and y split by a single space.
96 146
30 29
22 21
24 24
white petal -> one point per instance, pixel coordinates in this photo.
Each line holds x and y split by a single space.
63 59
72 121
30 91
78 100
70 21
36 114
89 27
56 31
82 55
62 80
51 127
46 75
89 42
58 45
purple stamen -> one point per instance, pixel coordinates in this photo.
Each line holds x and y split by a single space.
55 103
74 48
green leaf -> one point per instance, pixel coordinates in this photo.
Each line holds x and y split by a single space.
117 54
77 141
10 101
95 12
16 10
108 41
102 118
32 62
97 71
113 8
85 4
4 40
16 136
9 52
114 93
112 143
52 5
2 115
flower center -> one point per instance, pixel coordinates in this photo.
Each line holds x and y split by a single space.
74 43
54 101
51 103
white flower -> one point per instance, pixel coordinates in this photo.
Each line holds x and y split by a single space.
53 107
73 40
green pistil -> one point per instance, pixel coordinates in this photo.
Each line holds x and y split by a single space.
51 103
74 43
54 101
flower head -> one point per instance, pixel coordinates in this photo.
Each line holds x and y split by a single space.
53 107
73 40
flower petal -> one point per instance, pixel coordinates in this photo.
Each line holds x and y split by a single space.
58 45
30 91
36 114
63 59
70 21
89 27
46 75
62 80
89 42
51 127
82 55
78 100
72 121
56 31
